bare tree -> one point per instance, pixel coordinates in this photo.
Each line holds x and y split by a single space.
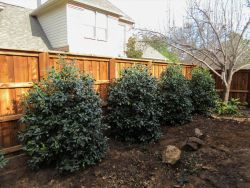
216 34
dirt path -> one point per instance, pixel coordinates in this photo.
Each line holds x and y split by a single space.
224 161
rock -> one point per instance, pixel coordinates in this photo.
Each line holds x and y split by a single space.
192 143
195 140
191 146
198 133
171 154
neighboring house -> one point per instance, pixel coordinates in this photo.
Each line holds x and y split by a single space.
151 53
20 31
79 26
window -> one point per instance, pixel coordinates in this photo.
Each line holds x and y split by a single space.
96 25
101 26
89 26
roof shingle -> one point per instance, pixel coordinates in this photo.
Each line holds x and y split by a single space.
19 30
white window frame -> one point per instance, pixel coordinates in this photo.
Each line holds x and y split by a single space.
95 37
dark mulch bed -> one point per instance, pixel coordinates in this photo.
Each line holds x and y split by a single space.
224 161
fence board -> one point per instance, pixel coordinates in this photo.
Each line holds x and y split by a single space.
88 66
7 96
103 71
8 131
4 69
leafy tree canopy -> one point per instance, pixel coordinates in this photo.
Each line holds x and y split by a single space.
132 50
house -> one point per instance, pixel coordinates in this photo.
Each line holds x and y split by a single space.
151 53
94 27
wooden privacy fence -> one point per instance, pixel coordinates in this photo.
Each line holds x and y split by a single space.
19 69
240 87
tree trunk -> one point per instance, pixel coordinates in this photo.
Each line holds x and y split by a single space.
226 93
227 87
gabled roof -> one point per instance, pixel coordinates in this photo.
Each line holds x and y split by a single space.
103 5
19 30
152 53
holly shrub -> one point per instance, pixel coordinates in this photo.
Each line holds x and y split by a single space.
132 106
63 121
204 94
175 96
3 161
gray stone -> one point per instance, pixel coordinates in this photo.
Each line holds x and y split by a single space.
196 140
198 133
187 146
192 146
192 143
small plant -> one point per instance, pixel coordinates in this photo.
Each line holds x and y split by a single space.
230 108
3 161
175 96
204 94
63 121
132 106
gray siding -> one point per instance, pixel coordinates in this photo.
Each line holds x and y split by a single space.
54 24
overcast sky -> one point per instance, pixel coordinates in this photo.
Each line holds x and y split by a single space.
152 13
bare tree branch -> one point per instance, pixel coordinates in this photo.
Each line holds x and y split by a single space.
198 59
241 67
215 35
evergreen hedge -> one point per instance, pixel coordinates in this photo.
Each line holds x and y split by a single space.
133 112
63 121
175 101
204 94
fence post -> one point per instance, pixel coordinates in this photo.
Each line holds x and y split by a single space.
43 64
112 69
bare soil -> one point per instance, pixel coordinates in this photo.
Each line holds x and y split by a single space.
223 162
